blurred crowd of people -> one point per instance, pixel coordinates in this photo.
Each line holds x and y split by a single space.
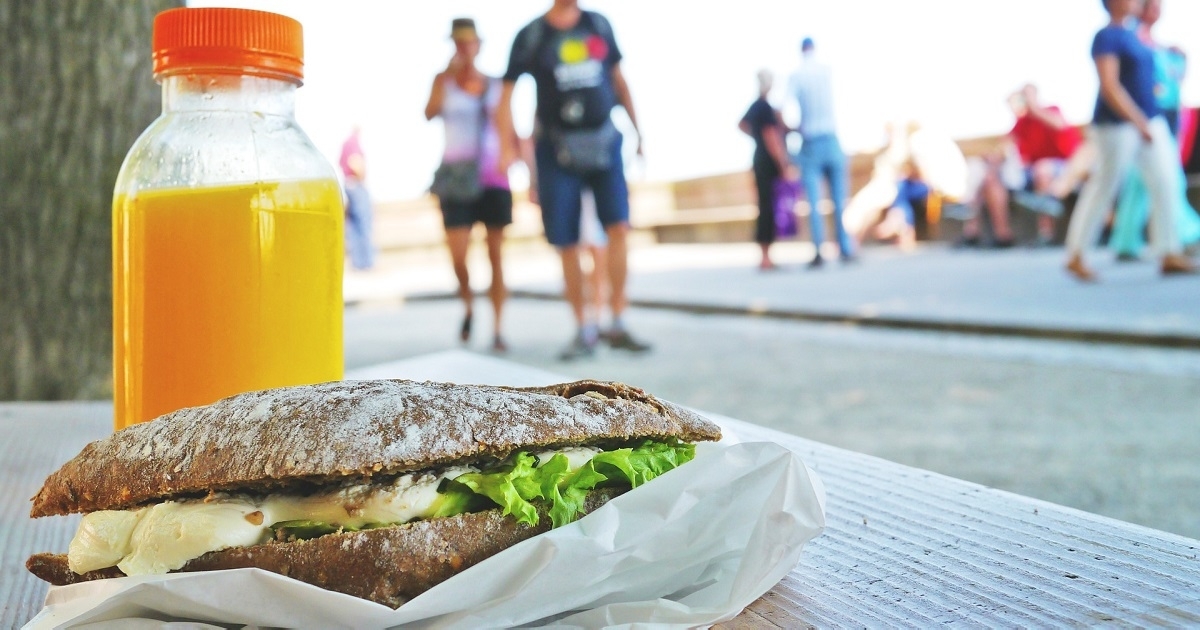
577 175
1131 149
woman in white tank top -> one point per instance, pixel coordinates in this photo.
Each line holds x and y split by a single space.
466 101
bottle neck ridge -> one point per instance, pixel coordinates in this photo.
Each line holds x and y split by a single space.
228 92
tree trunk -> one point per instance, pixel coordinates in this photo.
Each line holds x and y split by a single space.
75 92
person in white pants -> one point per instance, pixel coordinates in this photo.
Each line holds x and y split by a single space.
1128 128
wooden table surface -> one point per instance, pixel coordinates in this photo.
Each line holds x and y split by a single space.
902 546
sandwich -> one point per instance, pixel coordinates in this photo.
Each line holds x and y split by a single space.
378 489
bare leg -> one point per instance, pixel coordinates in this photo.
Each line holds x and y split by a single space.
766 262
996 199
597 281
1078 166
618 254
458 239
573 282
498 292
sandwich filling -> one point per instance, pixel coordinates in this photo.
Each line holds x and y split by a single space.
163 537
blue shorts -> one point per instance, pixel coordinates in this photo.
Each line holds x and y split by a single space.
559 191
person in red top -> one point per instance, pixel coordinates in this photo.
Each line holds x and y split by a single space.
1054 155
1041 132
1043 162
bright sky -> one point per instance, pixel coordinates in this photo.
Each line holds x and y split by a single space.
691 69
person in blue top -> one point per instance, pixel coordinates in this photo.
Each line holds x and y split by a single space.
1128 128
821 156
1134 203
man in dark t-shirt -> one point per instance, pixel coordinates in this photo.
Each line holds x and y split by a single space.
575 62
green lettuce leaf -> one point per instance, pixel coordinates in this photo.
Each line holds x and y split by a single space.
303 529
505 486
639 465
456 498
516 484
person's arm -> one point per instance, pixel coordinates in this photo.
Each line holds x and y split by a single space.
504 127
527 155
437 94
358 166
503 137
626 100
793 90
1115 95
773 141
1050 117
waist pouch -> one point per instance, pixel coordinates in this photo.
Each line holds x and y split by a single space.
585 150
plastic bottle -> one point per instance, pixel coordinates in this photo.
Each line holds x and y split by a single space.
227 224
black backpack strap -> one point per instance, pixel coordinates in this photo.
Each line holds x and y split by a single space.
534 36
599 24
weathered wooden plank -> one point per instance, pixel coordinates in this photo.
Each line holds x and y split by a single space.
902 546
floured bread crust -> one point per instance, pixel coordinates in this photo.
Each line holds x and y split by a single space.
390 565
319 433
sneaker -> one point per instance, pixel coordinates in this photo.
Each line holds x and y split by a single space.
1039 203
622 340
964 242
1076 268
958 211
817 262
578 348
1175 265
464 331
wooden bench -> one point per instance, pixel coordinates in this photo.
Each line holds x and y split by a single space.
724 208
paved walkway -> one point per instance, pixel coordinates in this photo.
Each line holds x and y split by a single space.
1021 291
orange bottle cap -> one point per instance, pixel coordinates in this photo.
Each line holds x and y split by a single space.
228 41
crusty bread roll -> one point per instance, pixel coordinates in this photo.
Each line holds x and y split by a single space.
321 435
275 437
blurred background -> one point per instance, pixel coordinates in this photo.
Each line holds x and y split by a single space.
945 62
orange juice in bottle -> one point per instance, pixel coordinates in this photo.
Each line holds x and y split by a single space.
227 224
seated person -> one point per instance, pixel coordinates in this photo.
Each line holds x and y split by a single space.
899 221
916 163
1044 160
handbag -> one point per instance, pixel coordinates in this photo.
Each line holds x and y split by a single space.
786 193
585 150
457 181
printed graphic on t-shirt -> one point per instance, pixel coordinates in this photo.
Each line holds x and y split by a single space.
572 69
580 67
580 63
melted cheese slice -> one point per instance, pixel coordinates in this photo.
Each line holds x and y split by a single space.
165 536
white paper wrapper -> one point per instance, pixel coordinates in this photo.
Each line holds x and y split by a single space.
693 547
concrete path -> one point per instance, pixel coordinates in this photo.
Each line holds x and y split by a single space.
1014 292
